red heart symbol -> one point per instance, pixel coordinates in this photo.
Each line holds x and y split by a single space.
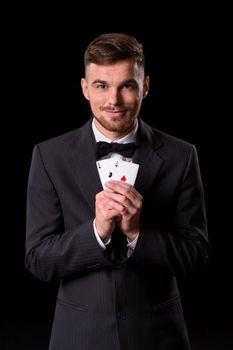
123 178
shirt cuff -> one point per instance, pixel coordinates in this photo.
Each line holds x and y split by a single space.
99 240
132 244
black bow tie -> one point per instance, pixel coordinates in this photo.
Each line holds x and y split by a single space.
125 149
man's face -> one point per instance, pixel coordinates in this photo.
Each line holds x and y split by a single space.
115 93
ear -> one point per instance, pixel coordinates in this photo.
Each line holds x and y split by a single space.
146 84
84 88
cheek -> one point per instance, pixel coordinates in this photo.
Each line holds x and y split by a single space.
134 97
96 98
136 100
96 103
137 105
129 99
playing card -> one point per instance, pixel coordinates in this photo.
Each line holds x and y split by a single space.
115 169
104 169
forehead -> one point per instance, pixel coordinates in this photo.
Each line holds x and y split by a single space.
120 70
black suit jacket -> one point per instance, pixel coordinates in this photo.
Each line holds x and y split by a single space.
105 300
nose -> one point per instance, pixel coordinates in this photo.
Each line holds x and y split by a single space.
114 97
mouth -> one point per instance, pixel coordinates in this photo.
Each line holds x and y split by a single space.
115 113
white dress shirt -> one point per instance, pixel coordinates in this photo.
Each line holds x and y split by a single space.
131 137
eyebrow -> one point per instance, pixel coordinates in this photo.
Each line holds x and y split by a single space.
98 81
129 81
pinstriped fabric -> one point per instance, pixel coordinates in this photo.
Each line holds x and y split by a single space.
111 302
88 331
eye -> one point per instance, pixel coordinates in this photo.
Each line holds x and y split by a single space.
101 86
129 86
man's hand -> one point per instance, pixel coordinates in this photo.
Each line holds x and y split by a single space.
123 199
106 217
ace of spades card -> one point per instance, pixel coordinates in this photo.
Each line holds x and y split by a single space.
115 169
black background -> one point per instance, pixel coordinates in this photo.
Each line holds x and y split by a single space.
191 72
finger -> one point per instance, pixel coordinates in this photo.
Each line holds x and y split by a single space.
104 206
108 212
126 211
118 207
120 199
126 190
121 187
115 184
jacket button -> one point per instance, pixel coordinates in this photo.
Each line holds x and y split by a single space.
121 315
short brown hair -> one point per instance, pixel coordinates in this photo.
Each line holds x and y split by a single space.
114 47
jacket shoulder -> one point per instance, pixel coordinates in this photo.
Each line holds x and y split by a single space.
161 138
171 140
65 142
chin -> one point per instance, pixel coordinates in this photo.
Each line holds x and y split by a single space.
118 125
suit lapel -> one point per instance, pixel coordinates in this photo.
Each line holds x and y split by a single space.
83 161
147 157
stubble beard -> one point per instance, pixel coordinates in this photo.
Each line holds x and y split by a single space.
121 126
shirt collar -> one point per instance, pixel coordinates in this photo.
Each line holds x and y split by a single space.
131 137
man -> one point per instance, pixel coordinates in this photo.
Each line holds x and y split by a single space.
119 251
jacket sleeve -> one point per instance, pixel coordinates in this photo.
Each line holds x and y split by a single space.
184 247
51 251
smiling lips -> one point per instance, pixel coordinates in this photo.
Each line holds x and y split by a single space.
115 113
